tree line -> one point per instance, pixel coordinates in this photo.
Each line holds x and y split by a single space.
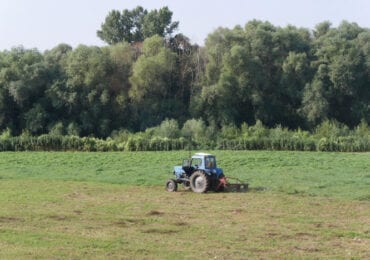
289 77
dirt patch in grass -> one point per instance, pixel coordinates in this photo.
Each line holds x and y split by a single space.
129 222
120 223
59 217
160 231
309 250
155 213
237 211
10 219
77 195
181 224
302 234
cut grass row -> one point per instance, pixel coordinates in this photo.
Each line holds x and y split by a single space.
48 219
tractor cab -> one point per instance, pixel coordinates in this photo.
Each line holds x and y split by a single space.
204 161
199 161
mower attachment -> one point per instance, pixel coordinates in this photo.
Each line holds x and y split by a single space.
235 187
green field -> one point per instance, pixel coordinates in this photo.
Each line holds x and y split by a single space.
113 205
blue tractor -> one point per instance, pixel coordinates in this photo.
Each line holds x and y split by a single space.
200 174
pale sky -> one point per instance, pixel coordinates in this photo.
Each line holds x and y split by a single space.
43 24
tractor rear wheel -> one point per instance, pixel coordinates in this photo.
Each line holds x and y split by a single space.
199 182
171 185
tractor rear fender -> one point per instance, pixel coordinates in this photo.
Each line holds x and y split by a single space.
216 172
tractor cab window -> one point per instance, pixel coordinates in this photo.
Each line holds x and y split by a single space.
196 162
186 163
210 162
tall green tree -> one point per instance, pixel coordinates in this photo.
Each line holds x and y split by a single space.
86 92
341 56
153 83
122 58
190 67
136 25
261 70
23 80
315 104
159 22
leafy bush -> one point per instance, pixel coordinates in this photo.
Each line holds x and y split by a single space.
331 129
329 136
169 128
6 134
194 129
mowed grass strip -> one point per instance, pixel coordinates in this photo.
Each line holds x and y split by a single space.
48 219
339 175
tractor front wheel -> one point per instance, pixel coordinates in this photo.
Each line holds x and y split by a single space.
171 185
199 182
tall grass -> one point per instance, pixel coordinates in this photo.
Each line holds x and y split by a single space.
329 136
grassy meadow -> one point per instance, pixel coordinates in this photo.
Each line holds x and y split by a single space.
113 205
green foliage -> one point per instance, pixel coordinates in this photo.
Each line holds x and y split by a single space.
230 132
6 134
168 128
244 83
284 76
57 129
136 25
35 119
159 22
331 129
329 136
260 70
154 89
195 129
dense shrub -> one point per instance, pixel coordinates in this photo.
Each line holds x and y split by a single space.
329 136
